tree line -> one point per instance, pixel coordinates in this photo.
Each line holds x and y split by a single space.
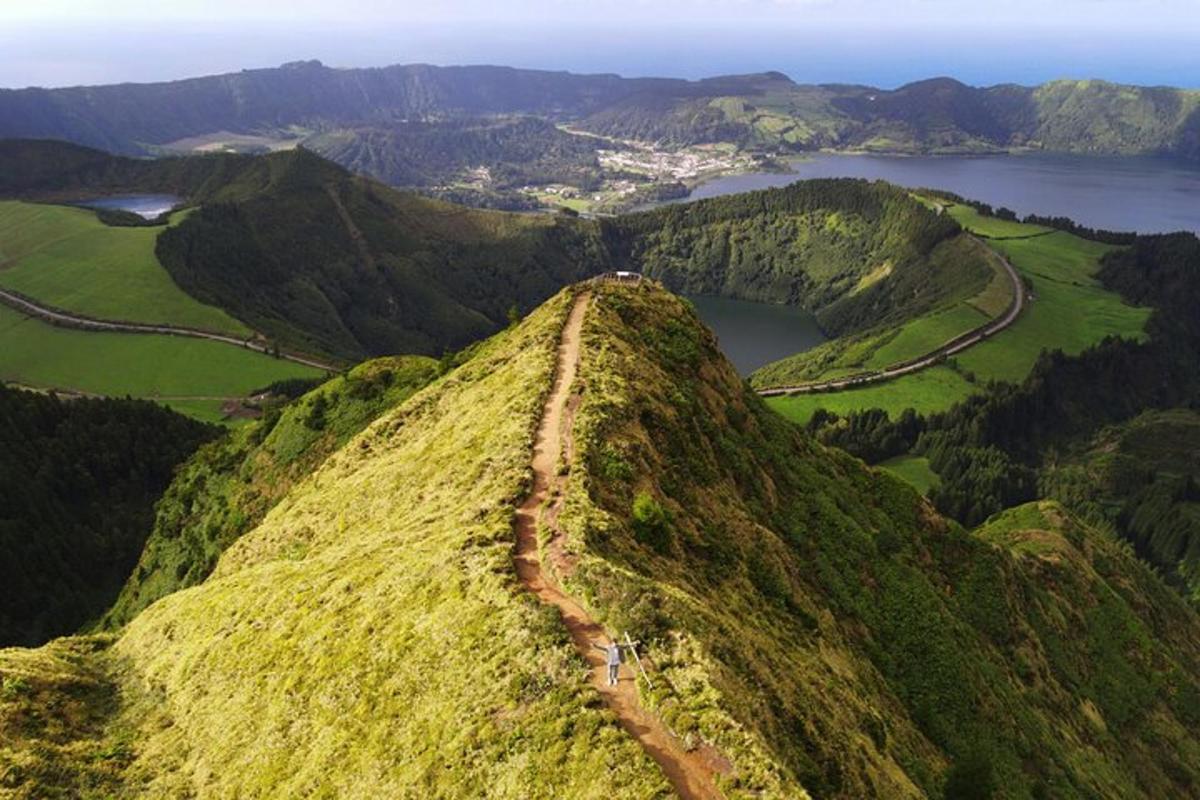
78 482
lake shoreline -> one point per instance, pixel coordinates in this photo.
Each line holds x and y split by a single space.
1146 194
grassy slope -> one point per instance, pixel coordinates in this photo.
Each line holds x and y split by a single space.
933 389
816 603
118 364
913 470
1070 311
810 617
68 259
226 489
369 638
974 290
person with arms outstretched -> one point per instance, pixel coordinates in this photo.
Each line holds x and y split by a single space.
612 657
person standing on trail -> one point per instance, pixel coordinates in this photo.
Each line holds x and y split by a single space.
612 657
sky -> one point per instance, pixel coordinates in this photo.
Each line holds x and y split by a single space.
880 42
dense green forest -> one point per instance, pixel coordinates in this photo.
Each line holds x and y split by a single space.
765 110
78 482
521 151
859 254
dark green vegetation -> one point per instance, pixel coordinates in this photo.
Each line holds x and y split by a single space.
857 254
1142 477
324 261
891 279
874 648
228 487
764 110
515 151
814 621
78 483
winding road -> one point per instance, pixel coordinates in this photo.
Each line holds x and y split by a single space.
65 319
955 345
689 772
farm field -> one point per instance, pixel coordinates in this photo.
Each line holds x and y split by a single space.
191 374
991 227
1069 309
925 334
66 258
929 390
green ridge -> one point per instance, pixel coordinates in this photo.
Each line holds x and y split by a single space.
812 619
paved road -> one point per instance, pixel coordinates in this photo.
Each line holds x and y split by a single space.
955 345
64 319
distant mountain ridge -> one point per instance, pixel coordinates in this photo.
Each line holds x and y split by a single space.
767 109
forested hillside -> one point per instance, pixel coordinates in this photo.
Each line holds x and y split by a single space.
515 152
324 261
1072 429
811 622
78 482
858 254
321 261
765 110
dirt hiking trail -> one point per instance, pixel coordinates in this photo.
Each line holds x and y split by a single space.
688 772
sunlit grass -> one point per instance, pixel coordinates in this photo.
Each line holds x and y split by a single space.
66 258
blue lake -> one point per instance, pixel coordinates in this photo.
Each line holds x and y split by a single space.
1147 195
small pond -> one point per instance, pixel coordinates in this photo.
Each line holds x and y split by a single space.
144 205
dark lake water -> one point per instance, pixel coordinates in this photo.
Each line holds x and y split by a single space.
145 205
755 334
1148 195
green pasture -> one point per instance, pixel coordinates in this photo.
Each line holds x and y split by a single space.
913 470
925 334
118 364
66 258
1068 310
993 227
927 391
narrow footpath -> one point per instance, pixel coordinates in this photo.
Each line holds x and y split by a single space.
689 774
